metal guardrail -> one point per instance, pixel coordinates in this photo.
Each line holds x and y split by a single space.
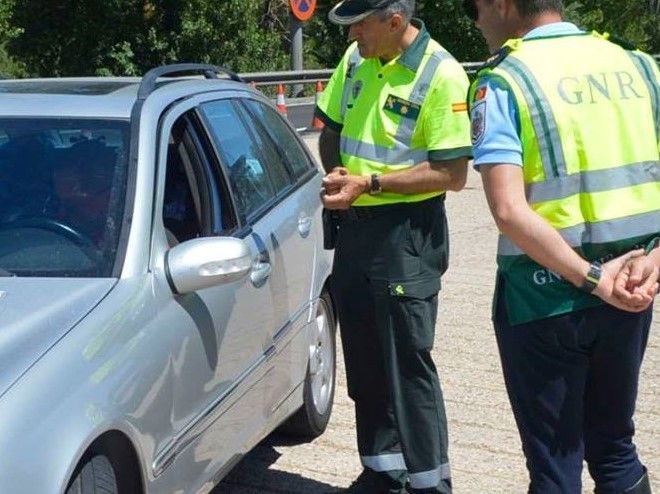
311 76
323 75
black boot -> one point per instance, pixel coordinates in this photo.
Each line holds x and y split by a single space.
370 482
643 486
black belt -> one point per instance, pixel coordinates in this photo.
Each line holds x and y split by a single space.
360 213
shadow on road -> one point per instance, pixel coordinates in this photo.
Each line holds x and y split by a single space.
253 475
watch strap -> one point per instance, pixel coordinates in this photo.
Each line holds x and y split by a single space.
375 188
593 277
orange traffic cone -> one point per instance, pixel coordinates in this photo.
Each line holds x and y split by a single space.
281 104
317 123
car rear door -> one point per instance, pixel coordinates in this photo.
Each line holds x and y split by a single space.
284 215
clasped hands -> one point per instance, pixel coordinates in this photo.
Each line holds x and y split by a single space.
340 188
629 282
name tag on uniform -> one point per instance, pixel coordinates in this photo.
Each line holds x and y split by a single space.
401 107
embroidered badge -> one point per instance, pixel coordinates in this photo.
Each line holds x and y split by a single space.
401 107
478 119
459 107
357 87
399 290
480 93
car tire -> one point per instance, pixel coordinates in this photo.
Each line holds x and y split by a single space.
312 418
94 476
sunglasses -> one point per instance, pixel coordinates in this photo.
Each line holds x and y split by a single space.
470 9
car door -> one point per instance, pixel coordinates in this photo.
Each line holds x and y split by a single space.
281 215
225 332
300 210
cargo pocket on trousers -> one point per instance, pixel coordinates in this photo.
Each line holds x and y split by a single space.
413 307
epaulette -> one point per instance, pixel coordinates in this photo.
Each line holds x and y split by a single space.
623 43
496 59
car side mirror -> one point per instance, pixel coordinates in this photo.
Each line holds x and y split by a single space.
205 262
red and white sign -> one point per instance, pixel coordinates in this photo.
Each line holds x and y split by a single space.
302 9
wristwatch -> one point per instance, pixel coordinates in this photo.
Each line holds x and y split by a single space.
593 277
375 185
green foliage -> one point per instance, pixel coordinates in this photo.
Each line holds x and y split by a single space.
633 20
127 37
449 26
237 34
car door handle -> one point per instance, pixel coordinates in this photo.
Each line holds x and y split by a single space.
260 272
304 225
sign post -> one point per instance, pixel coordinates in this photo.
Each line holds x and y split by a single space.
301 11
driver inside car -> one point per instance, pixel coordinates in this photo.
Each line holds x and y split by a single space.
82 182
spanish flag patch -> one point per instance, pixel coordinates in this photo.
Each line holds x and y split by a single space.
459 107
480 93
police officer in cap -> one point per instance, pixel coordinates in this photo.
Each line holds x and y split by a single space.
396 138
565 134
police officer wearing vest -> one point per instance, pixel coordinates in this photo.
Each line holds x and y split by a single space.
565 131
396 137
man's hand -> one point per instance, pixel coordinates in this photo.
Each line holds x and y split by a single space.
608 291
340 188
637 280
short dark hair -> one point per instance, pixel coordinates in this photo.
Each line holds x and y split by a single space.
528 8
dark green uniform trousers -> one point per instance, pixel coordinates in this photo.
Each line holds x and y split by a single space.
386 278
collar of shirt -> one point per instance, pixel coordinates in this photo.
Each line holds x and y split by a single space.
554 29
412 56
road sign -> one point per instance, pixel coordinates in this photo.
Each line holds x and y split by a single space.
302 9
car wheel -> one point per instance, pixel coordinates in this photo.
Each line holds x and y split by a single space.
95 476
319 388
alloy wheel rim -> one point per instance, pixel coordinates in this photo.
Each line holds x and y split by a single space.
321 360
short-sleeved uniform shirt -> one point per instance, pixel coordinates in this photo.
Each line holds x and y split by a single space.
495 121
384 123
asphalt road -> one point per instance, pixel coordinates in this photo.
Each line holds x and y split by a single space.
484 444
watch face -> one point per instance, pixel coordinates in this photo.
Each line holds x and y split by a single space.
375 185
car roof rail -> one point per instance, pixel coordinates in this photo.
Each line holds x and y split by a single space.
148 83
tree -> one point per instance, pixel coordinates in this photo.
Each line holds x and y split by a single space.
127 37
634 20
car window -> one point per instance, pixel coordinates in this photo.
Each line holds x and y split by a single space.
196 199
255 169
182 215
297 159
62 195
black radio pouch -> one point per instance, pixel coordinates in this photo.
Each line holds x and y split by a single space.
330 228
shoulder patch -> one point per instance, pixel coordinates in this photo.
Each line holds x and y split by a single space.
480 93
478 122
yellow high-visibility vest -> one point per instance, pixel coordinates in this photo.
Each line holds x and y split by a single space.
394 115
589 127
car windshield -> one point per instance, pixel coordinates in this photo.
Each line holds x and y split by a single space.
62 194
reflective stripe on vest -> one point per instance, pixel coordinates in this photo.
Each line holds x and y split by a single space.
595 233
401 153
593 181
543 120
643 66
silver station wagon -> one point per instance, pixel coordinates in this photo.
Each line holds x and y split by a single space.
163 282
